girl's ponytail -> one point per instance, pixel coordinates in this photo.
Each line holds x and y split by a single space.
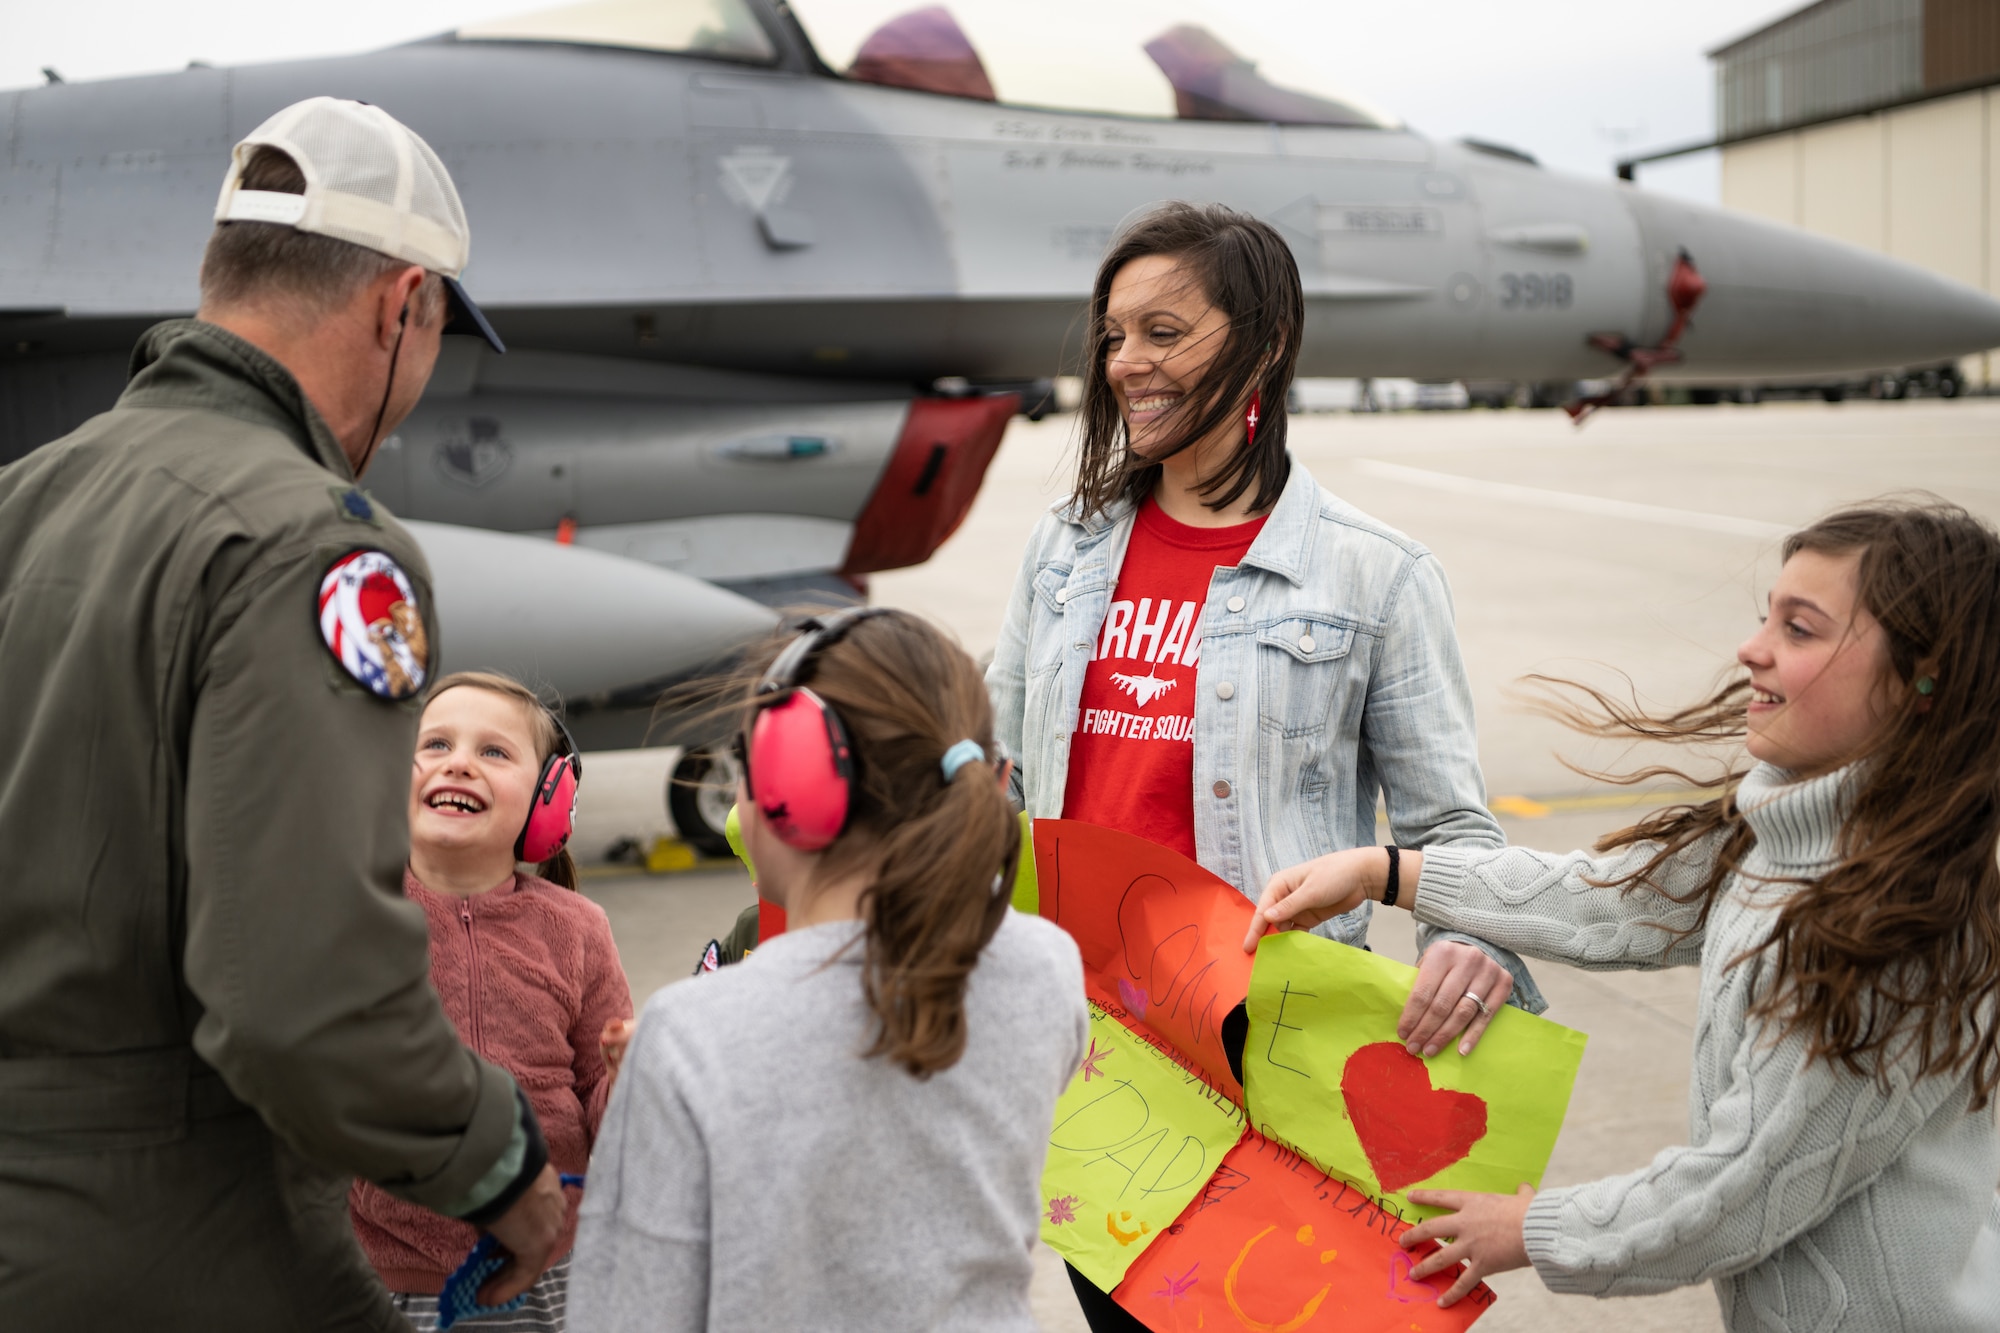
560 870
944 845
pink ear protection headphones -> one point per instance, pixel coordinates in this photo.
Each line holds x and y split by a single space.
797 763
552 808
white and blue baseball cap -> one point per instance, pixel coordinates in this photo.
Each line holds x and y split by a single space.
370 181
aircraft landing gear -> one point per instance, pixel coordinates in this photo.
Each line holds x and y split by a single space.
700 791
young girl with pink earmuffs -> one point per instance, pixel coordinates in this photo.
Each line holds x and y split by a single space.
524 964
846 1130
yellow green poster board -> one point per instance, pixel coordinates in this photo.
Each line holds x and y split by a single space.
1325 1073
1136 1137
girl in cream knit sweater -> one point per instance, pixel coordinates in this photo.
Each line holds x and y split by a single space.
1843 903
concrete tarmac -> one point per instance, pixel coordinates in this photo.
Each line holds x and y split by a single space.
1641 544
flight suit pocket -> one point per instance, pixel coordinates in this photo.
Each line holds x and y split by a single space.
1301 665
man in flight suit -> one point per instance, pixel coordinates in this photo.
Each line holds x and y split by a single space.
215 1005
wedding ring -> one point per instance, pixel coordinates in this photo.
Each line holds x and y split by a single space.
1469 995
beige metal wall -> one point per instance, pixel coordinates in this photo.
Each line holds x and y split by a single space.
1920 182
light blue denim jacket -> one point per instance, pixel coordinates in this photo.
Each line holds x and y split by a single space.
1329 673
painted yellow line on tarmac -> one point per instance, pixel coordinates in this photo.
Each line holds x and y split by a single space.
1595 505
1528 807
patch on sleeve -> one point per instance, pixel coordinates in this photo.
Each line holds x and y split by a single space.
371 623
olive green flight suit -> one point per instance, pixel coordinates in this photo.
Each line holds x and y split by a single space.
215 1003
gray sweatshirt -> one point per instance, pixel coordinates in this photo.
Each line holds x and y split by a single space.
1811 1197
754 1172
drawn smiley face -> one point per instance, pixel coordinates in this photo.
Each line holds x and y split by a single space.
1304 1236
1118 1233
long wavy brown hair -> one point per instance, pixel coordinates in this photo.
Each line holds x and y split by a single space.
1900 940
1246 270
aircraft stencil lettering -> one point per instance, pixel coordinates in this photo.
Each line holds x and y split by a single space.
1143 688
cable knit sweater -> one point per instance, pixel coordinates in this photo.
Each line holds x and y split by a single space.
1811 1197
529 976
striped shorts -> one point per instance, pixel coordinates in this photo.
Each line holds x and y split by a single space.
542 1312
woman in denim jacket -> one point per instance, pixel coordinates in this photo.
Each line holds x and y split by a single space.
1207 649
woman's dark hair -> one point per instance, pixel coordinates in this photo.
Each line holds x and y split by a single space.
1246 271
560 868
1900 940
944 852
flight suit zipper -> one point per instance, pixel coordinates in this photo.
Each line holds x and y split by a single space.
471 979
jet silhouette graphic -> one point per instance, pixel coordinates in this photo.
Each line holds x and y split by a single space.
1143 688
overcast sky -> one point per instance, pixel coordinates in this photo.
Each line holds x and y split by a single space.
1575 82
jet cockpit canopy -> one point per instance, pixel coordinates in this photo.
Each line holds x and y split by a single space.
1170 60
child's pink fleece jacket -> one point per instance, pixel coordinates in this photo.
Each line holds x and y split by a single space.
529 976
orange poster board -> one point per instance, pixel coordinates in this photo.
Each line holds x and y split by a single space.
1274 1245
1161 938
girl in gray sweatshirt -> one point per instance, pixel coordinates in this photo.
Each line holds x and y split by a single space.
1842 900
846 1130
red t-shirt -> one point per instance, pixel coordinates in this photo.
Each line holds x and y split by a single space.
1131 766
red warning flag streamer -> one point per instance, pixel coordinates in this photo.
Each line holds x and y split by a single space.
1685 288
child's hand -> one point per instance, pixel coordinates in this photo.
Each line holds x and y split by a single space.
1488 1235
1316 891
617 1035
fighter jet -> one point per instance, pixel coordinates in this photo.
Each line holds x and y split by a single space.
766 270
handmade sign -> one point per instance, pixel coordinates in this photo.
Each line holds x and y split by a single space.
1272 1245
1161 938
1328 1076
1157 1191
1135 1138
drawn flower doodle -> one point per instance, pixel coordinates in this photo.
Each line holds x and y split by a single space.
1062 1209
1178 1287
1092 1063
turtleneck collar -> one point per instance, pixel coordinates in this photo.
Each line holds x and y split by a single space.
1797 823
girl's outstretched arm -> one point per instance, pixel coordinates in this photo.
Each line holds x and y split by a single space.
1557 905
1789 1141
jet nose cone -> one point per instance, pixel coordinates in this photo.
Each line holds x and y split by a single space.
1782 301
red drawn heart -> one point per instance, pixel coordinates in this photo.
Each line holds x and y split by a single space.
1409 1129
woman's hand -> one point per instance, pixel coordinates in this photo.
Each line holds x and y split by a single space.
1441 1004
1317 890
1488 1234
616 1037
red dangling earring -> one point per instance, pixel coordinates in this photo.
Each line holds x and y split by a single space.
1250 418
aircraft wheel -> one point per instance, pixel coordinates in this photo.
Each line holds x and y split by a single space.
700 792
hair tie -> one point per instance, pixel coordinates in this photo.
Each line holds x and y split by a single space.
958 756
